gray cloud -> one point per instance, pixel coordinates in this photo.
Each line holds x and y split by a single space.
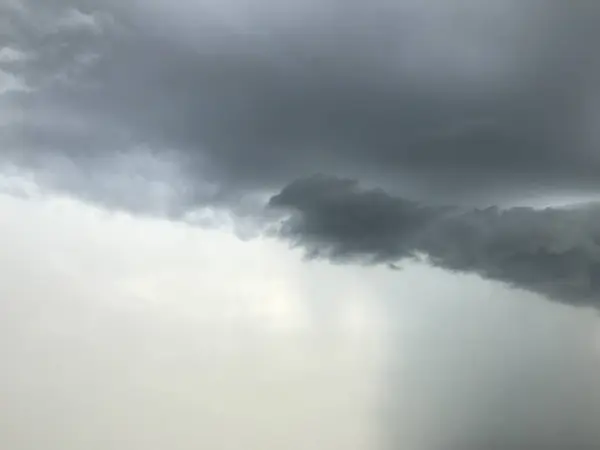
554 252
449 97
338 220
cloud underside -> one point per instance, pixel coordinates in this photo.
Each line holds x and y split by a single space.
553 252
440 97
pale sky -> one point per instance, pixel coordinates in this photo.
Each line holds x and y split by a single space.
120 331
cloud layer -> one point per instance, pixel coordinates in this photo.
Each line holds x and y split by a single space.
165 108
554 252
442 98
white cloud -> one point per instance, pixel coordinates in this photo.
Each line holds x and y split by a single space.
9 55
11 83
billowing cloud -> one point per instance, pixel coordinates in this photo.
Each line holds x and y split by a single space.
554 252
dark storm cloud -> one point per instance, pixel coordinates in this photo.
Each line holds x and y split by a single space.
160 107
334 218
554 252
448 96
163 107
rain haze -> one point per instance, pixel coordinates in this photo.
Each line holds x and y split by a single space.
259 224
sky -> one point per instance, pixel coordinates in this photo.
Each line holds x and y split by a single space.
260 224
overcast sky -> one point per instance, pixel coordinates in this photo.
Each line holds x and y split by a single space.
332 224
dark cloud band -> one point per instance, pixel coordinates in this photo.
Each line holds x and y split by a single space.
554 252
449 97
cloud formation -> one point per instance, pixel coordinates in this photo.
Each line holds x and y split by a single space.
161 107
455 98
553 252
164 108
